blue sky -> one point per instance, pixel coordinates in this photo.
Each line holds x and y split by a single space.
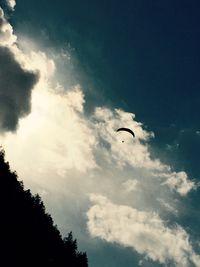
141 57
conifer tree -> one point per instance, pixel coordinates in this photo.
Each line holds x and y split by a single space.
28 236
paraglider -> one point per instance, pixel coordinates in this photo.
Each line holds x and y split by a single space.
126 130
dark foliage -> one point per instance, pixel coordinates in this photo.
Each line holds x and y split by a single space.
28 236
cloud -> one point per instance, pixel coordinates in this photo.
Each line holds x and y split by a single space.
198 133
145 232
178 181
7 36
130 185
135 152
11 4
55 132
167 206
15 90
16 82
132 152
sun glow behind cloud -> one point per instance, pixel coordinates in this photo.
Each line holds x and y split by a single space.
60 150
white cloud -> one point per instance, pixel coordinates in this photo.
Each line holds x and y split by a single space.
7 37
179 181
132 152
11 4
145 232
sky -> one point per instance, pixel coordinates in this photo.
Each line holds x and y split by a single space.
71 73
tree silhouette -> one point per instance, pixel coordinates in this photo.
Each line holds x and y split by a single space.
28 236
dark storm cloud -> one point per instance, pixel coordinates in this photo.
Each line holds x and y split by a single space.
15 90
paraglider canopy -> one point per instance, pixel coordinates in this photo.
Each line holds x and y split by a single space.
126 130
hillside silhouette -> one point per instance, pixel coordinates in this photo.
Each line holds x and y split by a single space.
28 236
